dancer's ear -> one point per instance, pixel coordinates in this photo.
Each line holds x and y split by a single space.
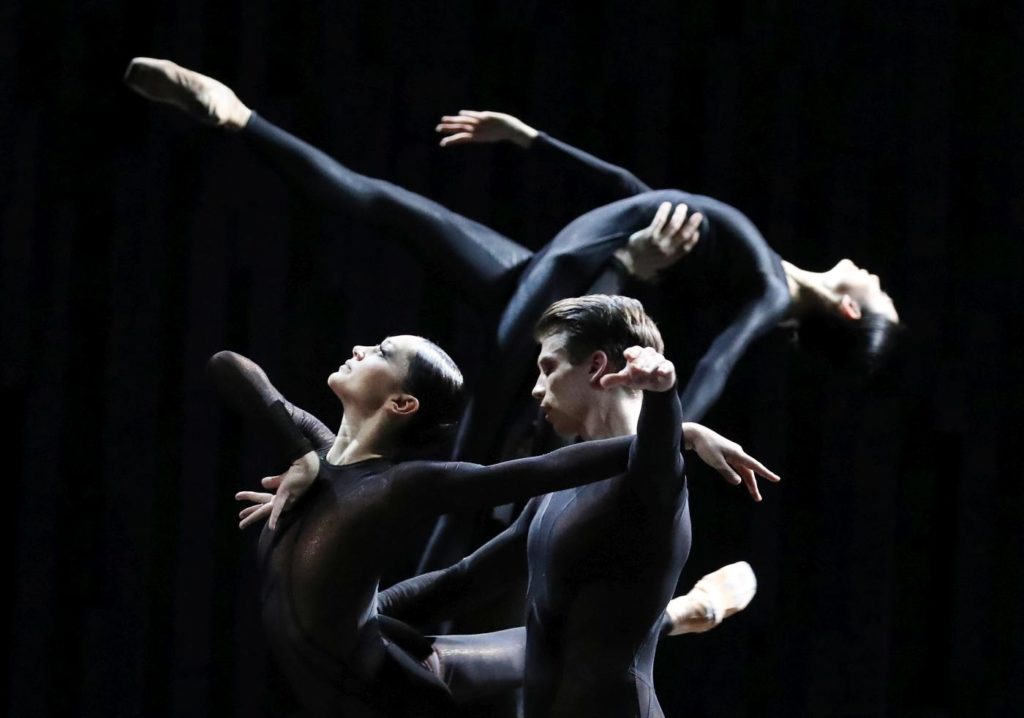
403 404
848 307
597 366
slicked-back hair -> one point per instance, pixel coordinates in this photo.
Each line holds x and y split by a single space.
435 380
600 322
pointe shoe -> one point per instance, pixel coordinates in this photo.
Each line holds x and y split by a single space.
206 99
713 599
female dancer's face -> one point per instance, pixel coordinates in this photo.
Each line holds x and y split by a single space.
374 373
863 287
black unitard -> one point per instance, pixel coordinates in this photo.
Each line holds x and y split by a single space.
322 566
605 555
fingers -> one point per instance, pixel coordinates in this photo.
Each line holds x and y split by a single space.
682 234
645 368
259 497
277 506
463 118
460 128
457 126
690 234
248 510
459 139
751 463
675 226
272 482
660 217
619 378
256 516
728 474
750 481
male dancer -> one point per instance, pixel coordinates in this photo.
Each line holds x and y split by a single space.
608 554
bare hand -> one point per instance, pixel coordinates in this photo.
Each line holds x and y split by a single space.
288 487
669 238
645 369
482 127
727 458
260 509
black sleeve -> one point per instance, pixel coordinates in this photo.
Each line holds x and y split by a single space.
611 181
655 461
472 582
443 487
245 386
748 256
612 280
712 371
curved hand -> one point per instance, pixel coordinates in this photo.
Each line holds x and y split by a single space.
669 238
481 127
727 458
645 369
288 487
260 509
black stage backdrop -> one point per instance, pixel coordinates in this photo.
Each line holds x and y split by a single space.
136 243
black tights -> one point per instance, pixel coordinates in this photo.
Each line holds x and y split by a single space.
471 257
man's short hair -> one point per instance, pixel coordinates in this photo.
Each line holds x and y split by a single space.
602 322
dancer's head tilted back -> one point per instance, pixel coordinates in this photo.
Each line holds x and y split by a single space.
409 385
582 339
844 315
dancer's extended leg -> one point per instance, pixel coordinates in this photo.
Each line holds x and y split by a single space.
480 665
474 259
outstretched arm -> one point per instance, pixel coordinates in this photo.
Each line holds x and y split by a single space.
473 126
655 460
443 487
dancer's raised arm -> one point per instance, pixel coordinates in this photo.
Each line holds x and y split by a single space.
481 127
246 387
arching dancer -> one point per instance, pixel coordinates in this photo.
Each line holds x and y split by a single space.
842 311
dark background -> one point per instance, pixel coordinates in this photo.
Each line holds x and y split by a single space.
136 242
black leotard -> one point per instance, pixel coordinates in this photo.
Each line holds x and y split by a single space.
602 562
321 567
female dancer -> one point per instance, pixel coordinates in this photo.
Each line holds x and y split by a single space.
322 564
842 312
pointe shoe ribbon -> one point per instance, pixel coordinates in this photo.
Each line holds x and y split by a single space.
202 97
713 599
